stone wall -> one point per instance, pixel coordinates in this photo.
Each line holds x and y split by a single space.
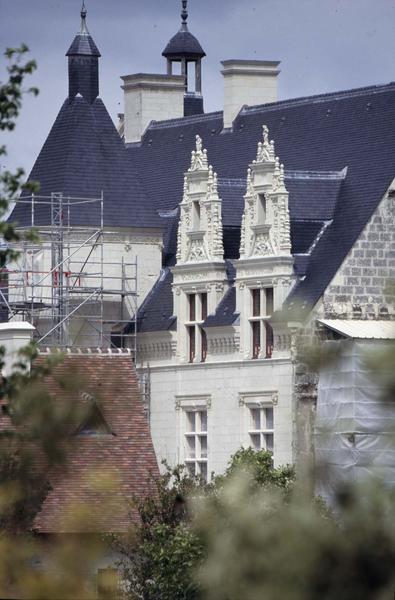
362 286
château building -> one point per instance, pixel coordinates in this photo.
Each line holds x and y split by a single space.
251 225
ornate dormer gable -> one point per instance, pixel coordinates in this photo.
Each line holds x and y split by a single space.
265 227
264 271
199 237
199 276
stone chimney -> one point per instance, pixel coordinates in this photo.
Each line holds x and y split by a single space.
14 336
150 98
248 82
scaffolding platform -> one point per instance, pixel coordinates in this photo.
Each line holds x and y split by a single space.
76 284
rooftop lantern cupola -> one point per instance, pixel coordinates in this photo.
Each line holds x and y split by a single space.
83 64
184 48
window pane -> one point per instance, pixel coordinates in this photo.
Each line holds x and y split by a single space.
269 441
192 307
269 340
203 420
255 419
269 418
203 298
256 440
191 421
203 470
203 446
256 338
256 303
192 343
269 301
204 345
191 446
262 207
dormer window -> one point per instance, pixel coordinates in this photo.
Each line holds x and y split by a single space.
94 423
196 215
262 304
261 209
196 335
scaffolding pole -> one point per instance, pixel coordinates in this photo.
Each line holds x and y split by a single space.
75 285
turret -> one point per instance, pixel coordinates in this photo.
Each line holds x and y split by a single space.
184 48
83 64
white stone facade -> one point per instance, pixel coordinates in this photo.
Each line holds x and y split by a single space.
232 386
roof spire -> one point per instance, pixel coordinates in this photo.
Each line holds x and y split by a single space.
84 29
184 15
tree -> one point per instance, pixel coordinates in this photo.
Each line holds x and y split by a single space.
162 555
33 427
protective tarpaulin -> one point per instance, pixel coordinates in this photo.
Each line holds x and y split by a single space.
355 424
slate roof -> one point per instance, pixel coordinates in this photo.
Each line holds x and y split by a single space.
126 454
84 45
156 312
183 43
82 156
316 138
225 313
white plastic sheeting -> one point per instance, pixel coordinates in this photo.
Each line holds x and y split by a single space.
355 426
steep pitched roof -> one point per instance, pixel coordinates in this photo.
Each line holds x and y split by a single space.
83 156
314 135
124 452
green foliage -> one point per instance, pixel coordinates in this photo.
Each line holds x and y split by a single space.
260 466
161 554
261 547
11 95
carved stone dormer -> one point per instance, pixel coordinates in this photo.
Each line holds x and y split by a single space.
199 276
264 271
265 227
199 236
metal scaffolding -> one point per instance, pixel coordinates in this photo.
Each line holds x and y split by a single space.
72 282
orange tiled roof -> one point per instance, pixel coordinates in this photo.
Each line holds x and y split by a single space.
103 471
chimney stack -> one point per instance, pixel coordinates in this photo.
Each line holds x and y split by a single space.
151 98
14 335
248 82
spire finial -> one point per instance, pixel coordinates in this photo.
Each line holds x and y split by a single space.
84 29
184 13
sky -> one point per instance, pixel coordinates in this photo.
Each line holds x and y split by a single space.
323 46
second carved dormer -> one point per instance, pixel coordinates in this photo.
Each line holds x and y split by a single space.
265 227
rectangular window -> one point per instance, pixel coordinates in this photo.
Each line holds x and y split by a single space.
196 448
203 300
256 303
262 306
269 339
192 343
262 428
203 344
262 208
256 338
197 337
269 301
196 215
192 307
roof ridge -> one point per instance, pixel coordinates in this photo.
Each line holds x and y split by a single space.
184 120
350 93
